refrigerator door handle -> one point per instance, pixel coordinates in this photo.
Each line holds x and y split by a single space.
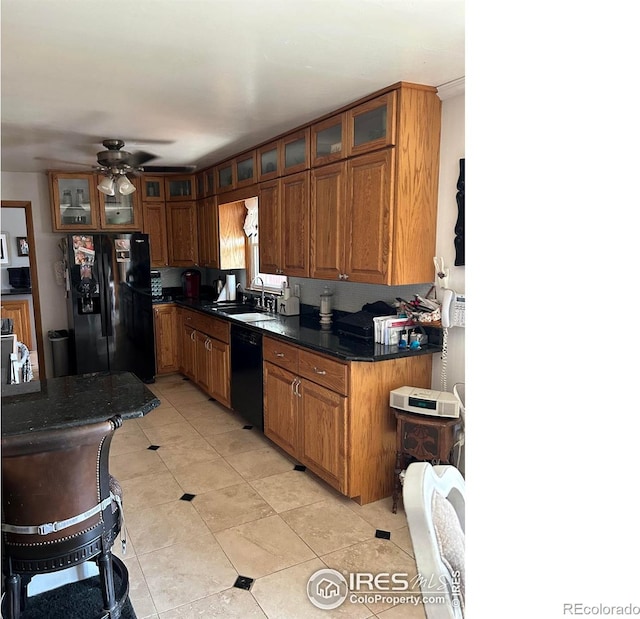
105 306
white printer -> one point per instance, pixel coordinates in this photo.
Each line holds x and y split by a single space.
425 401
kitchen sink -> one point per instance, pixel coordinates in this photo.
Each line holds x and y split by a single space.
255 316
238 309
228 307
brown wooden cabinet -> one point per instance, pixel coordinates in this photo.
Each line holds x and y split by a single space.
268 161
178 188
152 188
372 125
77 205
351 219
208 233
329 140
294 152
119 212
328 221
368 218
166 329
206 356
306 419
20 312
270 229
154 220
182 233
230 235
74 201
334 416
284 225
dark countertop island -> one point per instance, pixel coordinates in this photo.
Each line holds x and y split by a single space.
58 403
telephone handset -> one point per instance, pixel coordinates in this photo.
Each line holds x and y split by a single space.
453 309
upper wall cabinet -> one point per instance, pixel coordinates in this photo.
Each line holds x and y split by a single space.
152 188
329 140
120 212
294 152
224 178
179 188
245 169
269 161
372 125
74 201
77 205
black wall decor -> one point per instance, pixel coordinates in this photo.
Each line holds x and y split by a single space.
458 242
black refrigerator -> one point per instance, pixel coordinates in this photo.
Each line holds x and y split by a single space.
109 304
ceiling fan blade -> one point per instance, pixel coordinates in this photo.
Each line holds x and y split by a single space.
139 158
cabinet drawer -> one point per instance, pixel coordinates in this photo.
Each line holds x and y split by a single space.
280 354
323 371
213 327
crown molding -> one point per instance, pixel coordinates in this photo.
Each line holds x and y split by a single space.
451 89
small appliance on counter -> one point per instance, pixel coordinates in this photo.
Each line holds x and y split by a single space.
156 285
288 307
191 284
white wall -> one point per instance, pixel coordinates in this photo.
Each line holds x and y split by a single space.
452 149
34 187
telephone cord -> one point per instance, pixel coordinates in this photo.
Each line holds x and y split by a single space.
443 371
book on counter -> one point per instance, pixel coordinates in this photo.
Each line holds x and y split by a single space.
387 329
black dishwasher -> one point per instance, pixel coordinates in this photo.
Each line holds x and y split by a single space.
246 374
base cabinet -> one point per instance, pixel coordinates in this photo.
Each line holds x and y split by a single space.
20 312
205 354
334 417
165 327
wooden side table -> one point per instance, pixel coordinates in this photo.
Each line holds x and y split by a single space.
424 438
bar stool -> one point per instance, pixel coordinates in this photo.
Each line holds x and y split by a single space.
58 510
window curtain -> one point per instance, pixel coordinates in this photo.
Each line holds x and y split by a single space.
251 220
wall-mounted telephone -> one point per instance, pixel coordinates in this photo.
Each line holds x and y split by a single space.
453 309
453 315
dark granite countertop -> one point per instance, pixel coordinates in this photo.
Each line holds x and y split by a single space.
304 330
57 403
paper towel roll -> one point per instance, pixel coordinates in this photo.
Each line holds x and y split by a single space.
231 287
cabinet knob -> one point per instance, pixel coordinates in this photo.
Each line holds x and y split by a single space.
346 276
279 354
317 371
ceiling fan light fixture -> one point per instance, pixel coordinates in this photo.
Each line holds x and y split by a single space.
107 186
124 185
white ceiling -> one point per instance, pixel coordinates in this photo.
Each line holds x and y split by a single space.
195 81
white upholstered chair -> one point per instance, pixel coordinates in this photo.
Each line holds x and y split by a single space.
434 500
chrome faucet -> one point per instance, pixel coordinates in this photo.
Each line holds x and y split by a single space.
255 279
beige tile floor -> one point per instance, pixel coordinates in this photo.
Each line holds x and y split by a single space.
252 515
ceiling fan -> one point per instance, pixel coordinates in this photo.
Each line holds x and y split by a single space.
115 163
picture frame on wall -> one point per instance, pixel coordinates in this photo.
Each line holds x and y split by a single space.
22 244
4 249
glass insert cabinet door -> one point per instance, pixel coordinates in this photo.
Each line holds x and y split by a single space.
75 201
328 140
372 124
180 188
119 210
295 152
153 189
224 177
245 170
268 162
